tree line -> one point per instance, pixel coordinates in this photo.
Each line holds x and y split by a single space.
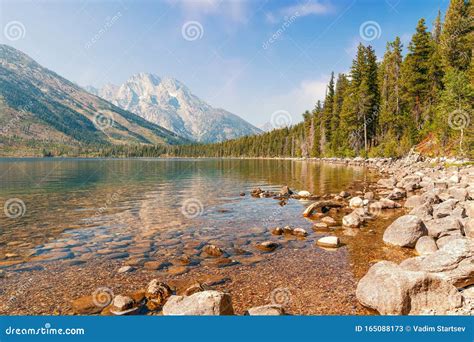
383 108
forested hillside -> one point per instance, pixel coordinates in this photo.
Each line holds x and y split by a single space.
383 108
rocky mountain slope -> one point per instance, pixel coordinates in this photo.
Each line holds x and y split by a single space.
36 104
169 103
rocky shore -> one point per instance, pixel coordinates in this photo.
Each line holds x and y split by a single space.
437 223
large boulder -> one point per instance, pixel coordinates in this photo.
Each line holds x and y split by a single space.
391 290
405 231
460 194
205 303
453 262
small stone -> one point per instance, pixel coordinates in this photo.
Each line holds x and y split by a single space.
242 194
268 246
122 303
352 220
329 241
213 250
287 230
125 269
344 194
277 231
300 232
304 193
356 202
320 225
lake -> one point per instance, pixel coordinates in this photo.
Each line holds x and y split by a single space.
67 225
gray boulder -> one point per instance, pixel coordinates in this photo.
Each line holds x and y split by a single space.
469 228
205 303
454 262
405 231
391 290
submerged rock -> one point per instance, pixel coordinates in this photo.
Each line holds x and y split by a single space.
405 231
304 193
392 290
300 232
204 303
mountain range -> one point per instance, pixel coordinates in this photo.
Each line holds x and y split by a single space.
36 104
169 103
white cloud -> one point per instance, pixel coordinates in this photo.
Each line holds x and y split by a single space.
301 10
297 100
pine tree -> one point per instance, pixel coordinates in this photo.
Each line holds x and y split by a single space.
327 116
416 77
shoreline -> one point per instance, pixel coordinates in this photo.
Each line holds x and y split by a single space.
400 170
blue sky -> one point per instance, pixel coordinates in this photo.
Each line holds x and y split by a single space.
252 58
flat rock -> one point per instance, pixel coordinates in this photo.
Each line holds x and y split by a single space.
329 241
443 226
